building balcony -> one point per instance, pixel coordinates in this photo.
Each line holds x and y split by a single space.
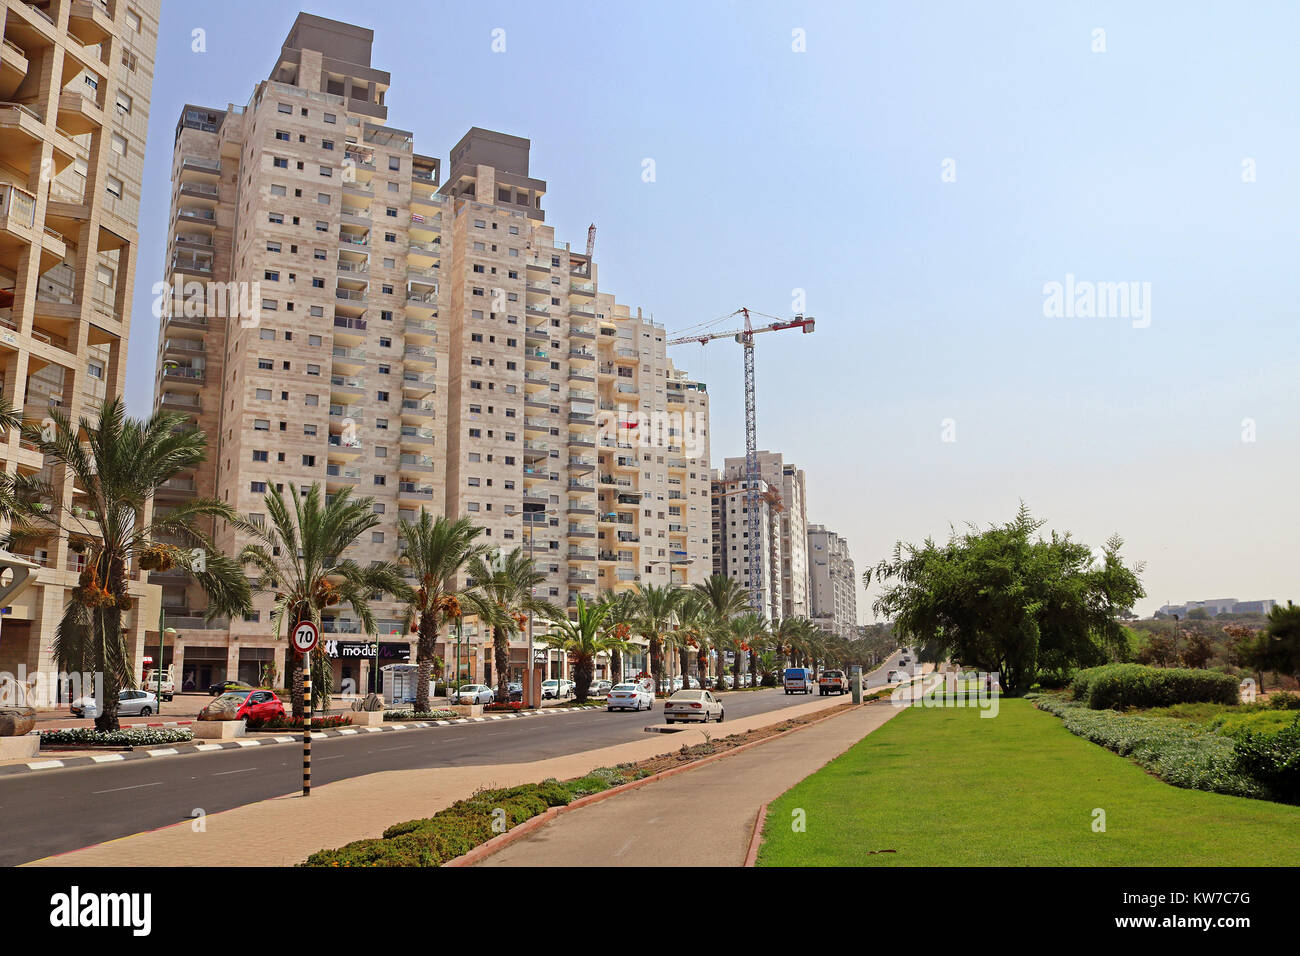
13 68
89 21
78 113
410 491
339 475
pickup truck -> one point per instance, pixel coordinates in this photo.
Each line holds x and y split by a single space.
150 683
833 682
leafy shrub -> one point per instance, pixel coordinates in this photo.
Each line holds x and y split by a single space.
1115 686
421 715
434 840
1273 760
126 737
1284 700
1177 751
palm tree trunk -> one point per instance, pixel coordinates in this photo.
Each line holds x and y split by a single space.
684 659
657 662
501 661
616 667
583 666
106 719
428 632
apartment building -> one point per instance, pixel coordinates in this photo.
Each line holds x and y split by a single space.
790 514
75 84
419 339
734 550
832 583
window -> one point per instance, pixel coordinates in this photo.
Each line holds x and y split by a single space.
331 118
272 247
309 429
394 162
259 455
279 162
264 394
261 425
257 487
284 108
124 102
95 370
114 187
282 135
376 537
119 144
309 461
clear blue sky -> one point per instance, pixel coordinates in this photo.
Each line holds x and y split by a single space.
821 171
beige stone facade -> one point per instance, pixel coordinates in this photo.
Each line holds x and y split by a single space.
832 583
422 339
791 521
75 84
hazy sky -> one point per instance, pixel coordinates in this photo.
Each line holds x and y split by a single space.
829 171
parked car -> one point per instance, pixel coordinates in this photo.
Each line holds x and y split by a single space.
475 694
130 703
798 680
692 705
632 696
516 691
254 705
556 688
224 686
599 688
832 682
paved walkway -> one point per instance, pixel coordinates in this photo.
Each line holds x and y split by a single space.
285 830
703 817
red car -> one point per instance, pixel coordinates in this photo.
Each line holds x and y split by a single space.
254 705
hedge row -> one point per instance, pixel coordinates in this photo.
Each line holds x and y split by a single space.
1273 760
434 840
1116 686
128 736
1177 751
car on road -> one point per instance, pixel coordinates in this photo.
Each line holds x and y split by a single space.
692 705
599 688
832 682
475 694
798 680
130 703
251 705
222 686
633 696
557 688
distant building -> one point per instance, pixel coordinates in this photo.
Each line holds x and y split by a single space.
832 583
1216 606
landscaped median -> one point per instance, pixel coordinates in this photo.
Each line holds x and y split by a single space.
941 786
489 813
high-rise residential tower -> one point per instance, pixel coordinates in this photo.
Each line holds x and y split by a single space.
421 339
832 583
790 516
75 83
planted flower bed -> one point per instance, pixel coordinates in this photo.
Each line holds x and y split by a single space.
507 707
319 722
420 715
87 737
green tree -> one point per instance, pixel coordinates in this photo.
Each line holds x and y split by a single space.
1283 632
502 596
298 556
658 610
623 609
1002 600
437 552
582 638
117 464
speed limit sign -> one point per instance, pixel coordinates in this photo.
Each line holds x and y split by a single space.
305 636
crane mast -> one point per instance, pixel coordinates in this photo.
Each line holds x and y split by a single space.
745 337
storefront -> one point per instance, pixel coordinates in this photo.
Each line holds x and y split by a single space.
202 666
353 663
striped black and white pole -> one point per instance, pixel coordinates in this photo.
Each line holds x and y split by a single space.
306 724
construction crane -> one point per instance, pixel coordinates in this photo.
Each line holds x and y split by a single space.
745 337
591 240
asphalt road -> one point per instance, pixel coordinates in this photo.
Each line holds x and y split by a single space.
55 811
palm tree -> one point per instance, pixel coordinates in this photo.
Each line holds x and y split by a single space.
16 491
692 626
583 637
502 597
745 631
624 609
724 598
298 557
658 607
118 463
438 551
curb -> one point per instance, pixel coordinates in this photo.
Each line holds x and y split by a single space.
183 748
756 838
497 843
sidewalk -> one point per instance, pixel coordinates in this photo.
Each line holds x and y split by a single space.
285 830
702 817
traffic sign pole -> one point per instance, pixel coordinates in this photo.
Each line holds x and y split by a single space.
305 636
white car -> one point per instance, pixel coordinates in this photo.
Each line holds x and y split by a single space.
475 694
557 688
629 697
693 705
130 703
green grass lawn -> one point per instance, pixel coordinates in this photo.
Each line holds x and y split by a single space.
944 787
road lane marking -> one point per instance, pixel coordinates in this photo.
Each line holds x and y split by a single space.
136 787
224 772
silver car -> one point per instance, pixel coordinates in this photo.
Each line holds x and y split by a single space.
475 694
698 705
130 703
